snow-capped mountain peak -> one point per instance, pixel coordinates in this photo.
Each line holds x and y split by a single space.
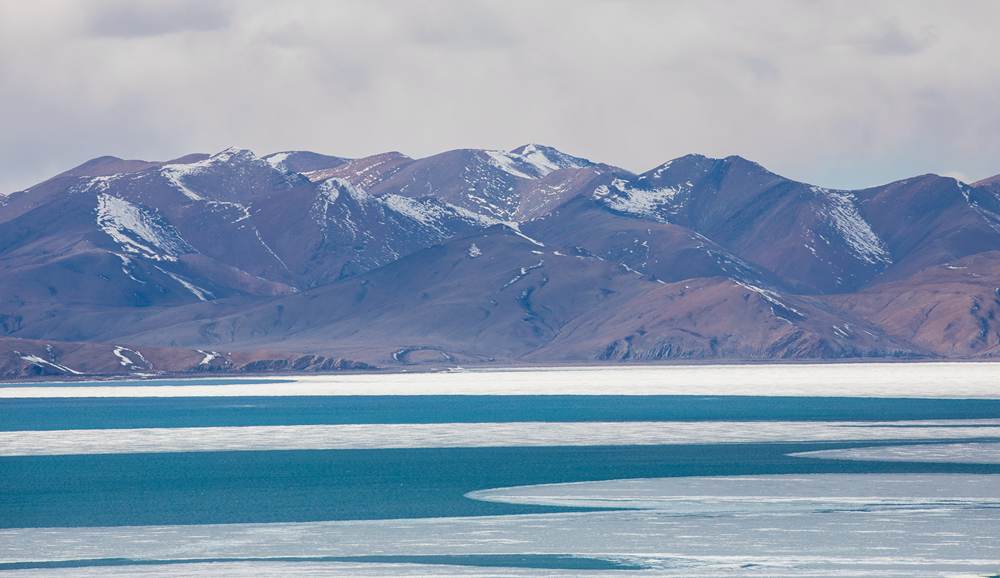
231 154
547 159
532 161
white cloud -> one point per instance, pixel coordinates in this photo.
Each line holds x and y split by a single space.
836 93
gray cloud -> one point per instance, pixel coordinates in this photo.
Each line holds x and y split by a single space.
130 18
832 92
891 38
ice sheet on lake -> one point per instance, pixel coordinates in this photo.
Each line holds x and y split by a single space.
762 493
953 380
444 435
842 525
965 453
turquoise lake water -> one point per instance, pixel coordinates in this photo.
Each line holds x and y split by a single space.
86 413
290 486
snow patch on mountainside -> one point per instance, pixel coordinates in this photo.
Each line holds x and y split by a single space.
434 214
277 160
200 293
138 231
843 214
99 184
992 218
355 192
508 163
175 175
428 214
522 273
242 210
38 361
620 196
127 268
513 226
658 171
209 356
126 360
270 251
328 194
474 217
329 190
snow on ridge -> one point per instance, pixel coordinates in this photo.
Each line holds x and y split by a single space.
513 226
533 161
329 190
547 159
333 186
200 293
658 171
773 298
123 359
992 218
126 361
538 158
522 272
127 267
277 160
508 163
38 361
228 154
474 217
624 198
328 193
425 212
209 356
137 231
176 173
100 184
434 214
855 230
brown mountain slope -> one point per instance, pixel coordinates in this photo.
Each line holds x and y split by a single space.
501 296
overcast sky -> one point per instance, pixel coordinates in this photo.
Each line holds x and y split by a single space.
841 93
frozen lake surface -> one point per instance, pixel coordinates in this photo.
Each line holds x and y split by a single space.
843 470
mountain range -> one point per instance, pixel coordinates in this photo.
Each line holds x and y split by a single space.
298 261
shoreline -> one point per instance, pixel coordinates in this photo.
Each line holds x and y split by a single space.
916 379
490 368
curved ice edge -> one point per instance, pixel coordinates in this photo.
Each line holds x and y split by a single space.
978 452
525 561
776 494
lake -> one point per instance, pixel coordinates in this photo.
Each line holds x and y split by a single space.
333 483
